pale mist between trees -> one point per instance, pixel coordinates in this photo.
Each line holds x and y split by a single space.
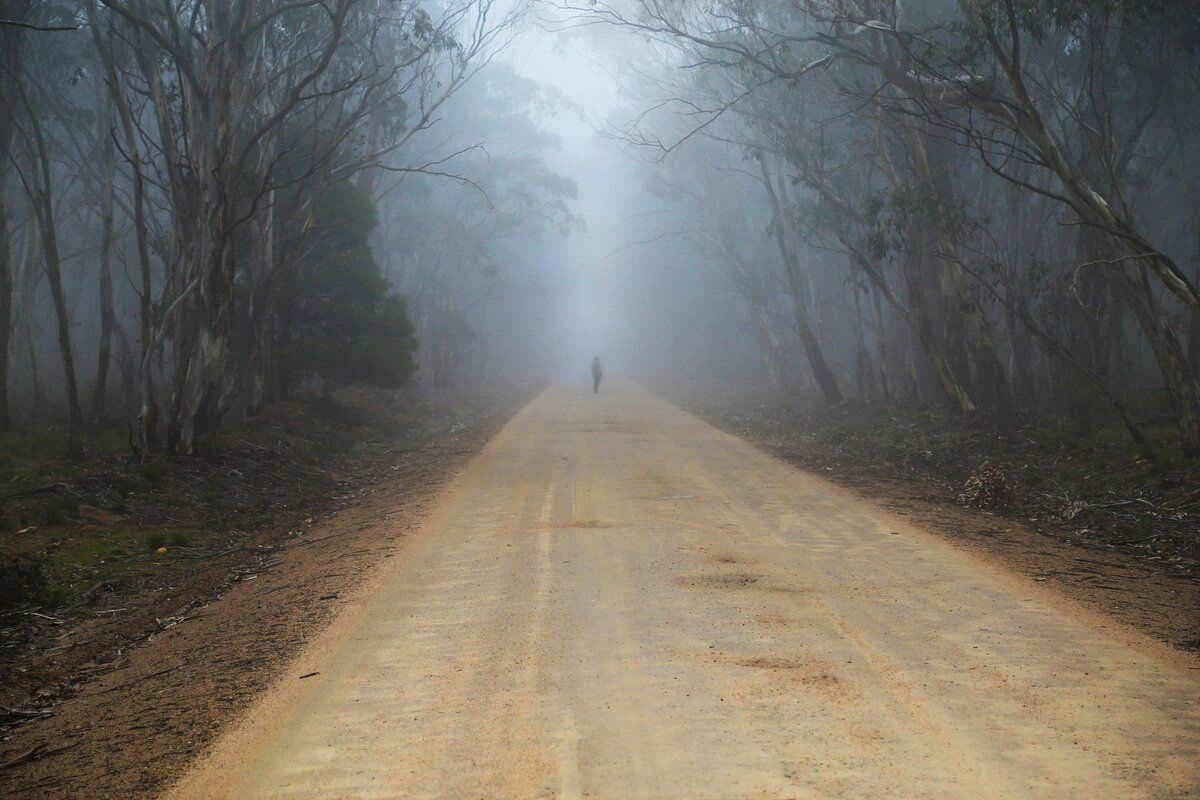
208 206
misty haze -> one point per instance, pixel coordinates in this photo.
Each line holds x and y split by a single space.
619 399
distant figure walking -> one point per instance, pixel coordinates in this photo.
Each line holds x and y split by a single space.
596 375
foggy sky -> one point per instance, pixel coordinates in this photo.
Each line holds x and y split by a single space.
595 309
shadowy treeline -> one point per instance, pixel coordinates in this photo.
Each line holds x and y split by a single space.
987 204
205 204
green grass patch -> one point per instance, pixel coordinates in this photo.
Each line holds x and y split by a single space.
76 559
62 563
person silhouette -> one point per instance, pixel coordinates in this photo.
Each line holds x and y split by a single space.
596 374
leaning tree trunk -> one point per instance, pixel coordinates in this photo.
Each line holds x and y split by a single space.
6 291
148 413
1194 329
960 310
812 347
938 356
1033 127
885 390
923 325
44 206
24 319
774 357
1182 387
917 315
104 355
10 53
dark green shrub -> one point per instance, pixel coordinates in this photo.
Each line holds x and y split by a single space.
343 325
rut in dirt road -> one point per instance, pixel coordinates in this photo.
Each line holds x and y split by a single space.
618 601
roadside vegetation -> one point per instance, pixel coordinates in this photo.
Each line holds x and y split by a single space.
981 206
210 207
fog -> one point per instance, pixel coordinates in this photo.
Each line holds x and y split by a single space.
593 266
825 204
625 286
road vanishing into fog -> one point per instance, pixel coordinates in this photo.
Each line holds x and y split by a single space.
618 601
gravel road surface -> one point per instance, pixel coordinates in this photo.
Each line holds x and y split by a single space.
616 600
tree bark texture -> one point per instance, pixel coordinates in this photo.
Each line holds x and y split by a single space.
961 312
1031 125
44 211
1182 388
24 319
107 312
6 292
10 54
148 411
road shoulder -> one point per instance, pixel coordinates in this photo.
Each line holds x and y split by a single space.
132 731
1152 595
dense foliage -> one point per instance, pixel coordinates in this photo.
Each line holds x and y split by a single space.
341 323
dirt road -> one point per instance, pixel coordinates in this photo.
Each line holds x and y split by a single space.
618 601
